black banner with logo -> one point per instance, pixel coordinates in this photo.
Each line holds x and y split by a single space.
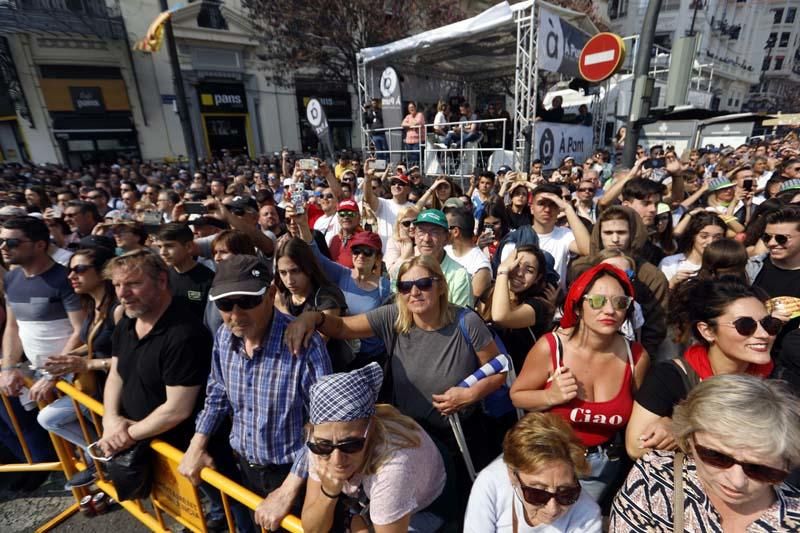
392 108
559 44
315 114
87 99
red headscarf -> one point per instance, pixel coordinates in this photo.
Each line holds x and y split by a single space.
579 286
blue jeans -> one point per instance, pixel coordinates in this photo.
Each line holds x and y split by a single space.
451 137
379 140
59 418
424 522
604 472
412 153
37 439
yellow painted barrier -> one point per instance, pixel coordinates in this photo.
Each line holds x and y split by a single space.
172 494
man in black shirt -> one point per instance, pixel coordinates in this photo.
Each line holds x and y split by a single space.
189 280
779 273
161 358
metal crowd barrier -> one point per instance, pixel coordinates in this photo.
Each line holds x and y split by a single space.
458 163
172 493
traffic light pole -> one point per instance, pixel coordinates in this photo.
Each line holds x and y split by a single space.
640 70
180 93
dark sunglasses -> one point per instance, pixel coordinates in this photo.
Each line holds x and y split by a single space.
328 196
746 326
13 243
399 183
366 252
780 239
423 284
79 269
406 223
243 302
598 301
347 214
346 446
238 211
564 496
762 473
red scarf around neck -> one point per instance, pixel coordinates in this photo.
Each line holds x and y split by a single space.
697 356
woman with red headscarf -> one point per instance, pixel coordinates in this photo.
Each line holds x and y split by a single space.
587 371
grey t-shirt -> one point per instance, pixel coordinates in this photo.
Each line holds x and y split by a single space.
428 362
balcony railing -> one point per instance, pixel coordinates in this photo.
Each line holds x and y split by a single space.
55 17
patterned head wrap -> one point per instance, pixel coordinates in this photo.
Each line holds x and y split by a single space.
346 396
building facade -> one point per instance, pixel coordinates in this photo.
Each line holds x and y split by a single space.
73 91
732 45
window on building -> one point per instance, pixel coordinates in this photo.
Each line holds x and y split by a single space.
766 63
671 5
613 9
777 16
784 39
791 13
623 7
779 63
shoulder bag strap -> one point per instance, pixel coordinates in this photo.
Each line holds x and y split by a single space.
677 494
559 351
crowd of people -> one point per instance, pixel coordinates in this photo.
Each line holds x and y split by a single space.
607 341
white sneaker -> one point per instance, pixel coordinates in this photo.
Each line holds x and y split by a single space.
440 146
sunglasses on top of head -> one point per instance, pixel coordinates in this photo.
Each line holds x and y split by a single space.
756 472
242 302
423 284
747 326
540 497
348 446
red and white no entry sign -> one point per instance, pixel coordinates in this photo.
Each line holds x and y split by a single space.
601 57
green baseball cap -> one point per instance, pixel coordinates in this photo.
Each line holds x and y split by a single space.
432 216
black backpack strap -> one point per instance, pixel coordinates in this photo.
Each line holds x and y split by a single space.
689 377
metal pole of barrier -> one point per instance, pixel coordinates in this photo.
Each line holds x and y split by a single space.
455 425
17 429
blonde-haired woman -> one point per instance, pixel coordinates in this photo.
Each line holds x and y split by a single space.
402 238
534 485
432 346
738 439
387 470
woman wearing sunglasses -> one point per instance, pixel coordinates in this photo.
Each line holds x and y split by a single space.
534 485
375 462
586 372
429 354
402 238
363 286
738 437
89 362
733 334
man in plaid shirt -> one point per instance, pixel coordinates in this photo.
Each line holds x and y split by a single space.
263 387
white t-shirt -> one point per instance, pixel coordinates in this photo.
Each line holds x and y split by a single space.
328 225
387 215
60 255
671 264
556 243
489 508
473 260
